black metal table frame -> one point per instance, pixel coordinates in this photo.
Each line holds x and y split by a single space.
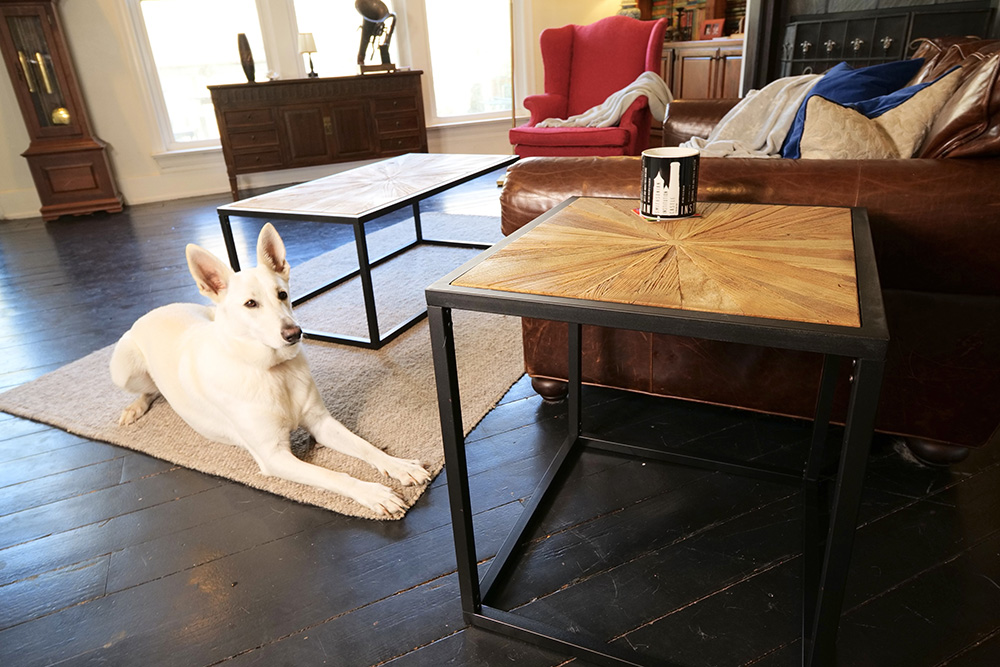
375 339
828 531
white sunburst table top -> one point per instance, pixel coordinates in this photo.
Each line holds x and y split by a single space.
371 188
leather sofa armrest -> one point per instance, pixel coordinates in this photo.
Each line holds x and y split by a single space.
535 185
693 118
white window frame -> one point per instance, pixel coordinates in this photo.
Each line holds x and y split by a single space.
279 38
280 33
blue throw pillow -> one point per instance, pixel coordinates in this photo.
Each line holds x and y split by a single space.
844 85
876 106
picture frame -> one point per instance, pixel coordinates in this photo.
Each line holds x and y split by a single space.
712 28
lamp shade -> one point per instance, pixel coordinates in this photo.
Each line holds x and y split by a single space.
306 43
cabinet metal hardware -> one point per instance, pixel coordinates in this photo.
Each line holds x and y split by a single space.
327 126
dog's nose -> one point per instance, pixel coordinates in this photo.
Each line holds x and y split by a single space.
291 334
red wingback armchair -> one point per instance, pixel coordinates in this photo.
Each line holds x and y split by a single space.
583 66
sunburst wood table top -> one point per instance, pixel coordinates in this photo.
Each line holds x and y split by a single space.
372 188
776 262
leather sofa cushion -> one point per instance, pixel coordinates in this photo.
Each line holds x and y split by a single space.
969 124
942 53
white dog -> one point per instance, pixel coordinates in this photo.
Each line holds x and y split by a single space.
235 374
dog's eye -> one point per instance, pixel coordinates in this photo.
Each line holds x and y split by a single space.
282 295
250 303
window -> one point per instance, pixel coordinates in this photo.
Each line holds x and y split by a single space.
189 55
186 45
470 63
336 28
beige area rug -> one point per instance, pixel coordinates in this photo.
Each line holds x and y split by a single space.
387 396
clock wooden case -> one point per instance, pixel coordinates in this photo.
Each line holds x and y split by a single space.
68 163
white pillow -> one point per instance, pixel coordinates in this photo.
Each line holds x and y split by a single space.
835 132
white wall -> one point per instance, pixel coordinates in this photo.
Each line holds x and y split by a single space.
100 41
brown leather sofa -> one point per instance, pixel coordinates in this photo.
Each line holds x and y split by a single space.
936 227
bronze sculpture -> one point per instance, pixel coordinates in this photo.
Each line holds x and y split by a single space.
375 15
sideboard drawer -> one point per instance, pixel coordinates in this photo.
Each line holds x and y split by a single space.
395 104
248 117
408 124
253 138
400 144
256 160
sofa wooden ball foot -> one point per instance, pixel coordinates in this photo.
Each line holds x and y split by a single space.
936 453
551 391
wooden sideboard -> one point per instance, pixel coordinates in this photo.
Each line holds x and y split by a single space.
699 70
305 122
703 69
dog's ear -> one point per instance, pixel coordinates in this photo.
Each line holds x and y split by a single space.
271 251
210 274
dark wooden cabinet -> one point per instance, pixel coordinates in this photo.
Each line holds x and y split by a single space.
812 44
706 69
68 164
307 122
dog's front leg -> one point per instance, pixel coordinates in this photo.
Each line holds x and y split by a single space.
129 371
280 462
331 433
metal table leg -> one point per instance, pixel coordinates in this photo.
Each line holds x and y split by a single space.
450 408
819 646
365 270
816 513
227 235
416 222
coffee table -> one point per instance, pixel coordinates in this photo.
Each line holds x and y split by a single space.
796 277
355 197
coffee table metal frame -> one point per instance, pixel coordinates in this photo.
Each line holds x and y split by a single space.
828 527
375 339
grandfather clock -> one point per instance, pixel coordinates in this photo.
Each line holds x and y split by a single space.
68 163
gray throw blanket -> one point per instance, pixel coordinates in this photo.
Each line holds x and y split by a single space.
609 112
757 125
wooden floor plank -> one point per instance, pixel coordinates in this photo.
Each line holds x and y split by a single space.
40 491
101 505
922 622
33 598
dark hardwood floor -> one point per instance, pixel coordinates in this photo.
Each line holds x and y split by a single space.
111 557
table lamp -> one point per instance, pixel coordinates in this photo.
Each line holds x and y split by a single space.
308 45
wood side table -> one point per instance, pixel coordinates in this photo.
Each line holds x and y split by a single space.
796 277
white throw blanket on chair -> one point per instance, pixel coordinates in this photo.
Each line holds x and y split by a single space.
609 112
757 125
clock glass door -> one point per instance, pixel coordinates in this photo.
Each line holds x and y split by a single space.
39 71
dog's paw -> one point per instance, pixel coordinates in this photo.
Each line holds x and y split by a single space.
136 409
130 415
381 499
407 472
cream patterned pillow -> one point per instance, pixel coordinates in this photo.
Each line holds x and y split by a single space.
835 132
